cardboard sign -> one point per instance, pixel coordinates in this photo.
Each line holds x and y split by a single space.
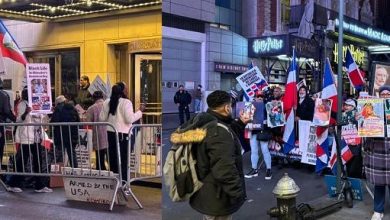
356 186
94 190
39 92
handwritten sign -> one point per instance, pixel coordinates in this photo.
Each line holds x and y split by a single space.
94 190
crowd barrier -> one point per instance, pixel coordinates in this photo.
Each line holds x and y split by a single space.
63 153
145 154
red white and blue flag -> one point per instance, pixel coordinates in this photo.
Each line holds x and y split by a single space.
12 57
8 46
354 74
289 103
346 155
329 91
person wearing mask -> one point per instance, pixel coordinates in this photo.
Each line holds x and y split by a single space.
119 111
66 137
84 98
219 160
263 137
183 99
30 138
5 115
198 99
305 108
377 165
99 133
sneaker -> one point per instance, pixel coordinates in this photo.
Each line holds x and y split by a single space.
252 173
14 189
268 174
44 190
377 216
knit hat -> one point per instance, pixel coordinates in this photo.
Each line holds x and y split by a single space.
350 102
60 99
382 88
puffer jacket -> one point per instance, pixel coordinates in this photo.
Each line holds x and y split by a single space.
27 134
219 165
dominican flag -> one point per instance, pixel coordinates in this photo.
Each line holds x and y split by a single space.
13 59
289 103
354 74
346 155
329 91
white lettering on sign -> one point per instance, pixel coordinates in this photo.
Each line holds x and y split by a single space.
267 45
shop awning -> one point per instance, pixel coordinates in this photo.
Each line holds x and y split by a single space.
63 10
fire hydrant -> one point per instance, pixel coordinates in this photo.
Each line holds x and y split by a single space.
286 190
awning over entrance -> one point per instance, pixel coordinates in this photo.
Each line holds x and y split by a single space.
63 10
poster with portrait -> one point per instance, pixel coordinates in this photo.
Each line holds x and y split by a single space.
322 111
39 88
251 81
254 110
387 116
371 118
307 141
380 77
275 114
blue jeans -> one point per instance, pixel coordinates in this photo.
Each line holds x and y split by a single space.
198 103
255 152
379 198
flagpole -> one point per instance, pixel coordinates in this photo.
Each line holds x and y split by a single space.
339 92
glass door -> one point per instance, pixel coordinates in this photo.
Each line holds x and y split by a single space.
148 69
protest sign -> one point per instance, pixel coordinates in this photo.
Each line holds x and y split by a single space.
387 116
356 185
307 142
371 118
350 134
98 85
322 111
251 81
39 87
257 117
301 83
84 148
275 115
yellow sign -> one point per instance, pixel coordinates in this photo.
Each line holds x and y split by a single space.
358 55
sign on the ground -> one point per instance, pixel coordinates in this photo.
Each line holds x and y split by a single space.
356 186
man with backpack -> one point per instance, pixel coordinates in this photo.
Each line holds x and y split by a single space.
217 151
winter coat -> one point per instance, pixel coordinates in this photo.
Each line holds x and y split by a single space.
305 110
219 165
183 98
84 98
27 134
5 107
377 161
99 135
65 113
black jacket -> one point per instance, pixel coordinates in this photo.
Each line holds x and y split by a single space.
65 113
183 98
219 165
5 107
305 110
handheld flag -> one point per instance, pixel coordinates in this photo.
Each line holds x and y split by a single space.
354 74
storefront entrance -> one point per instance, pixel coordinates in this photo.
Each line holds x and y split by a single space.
148 69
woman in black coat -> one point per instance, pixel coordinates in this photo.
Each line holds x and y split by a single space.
305 108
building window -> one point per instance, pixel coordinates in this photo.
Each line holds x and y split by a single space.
223 3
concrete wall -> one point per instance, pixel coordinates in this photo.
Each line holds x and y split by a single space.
223 46
197 9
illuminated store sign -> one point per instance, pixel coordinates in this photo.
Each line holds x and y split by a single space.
267 45
365 31
358 55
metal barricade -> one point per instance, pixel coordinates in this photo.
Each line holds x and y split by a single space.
39 149
145 154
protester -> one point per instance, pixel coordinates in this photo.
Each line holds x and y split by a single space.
377 165
119 111
219 160
305 108
263 136
84 98
30 138
66 137
99 133
198 99
183 99
5 114
355 164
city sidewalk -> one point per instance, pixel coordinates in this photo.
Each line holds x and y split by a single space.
259 191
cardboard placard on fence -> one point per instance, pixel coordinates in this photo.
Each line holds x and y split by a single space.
84 148
88 189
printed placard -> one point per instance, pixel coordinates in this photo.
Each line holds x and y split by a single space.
39 87
275 115
371 118
251 81
387 116
307 141
322 112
